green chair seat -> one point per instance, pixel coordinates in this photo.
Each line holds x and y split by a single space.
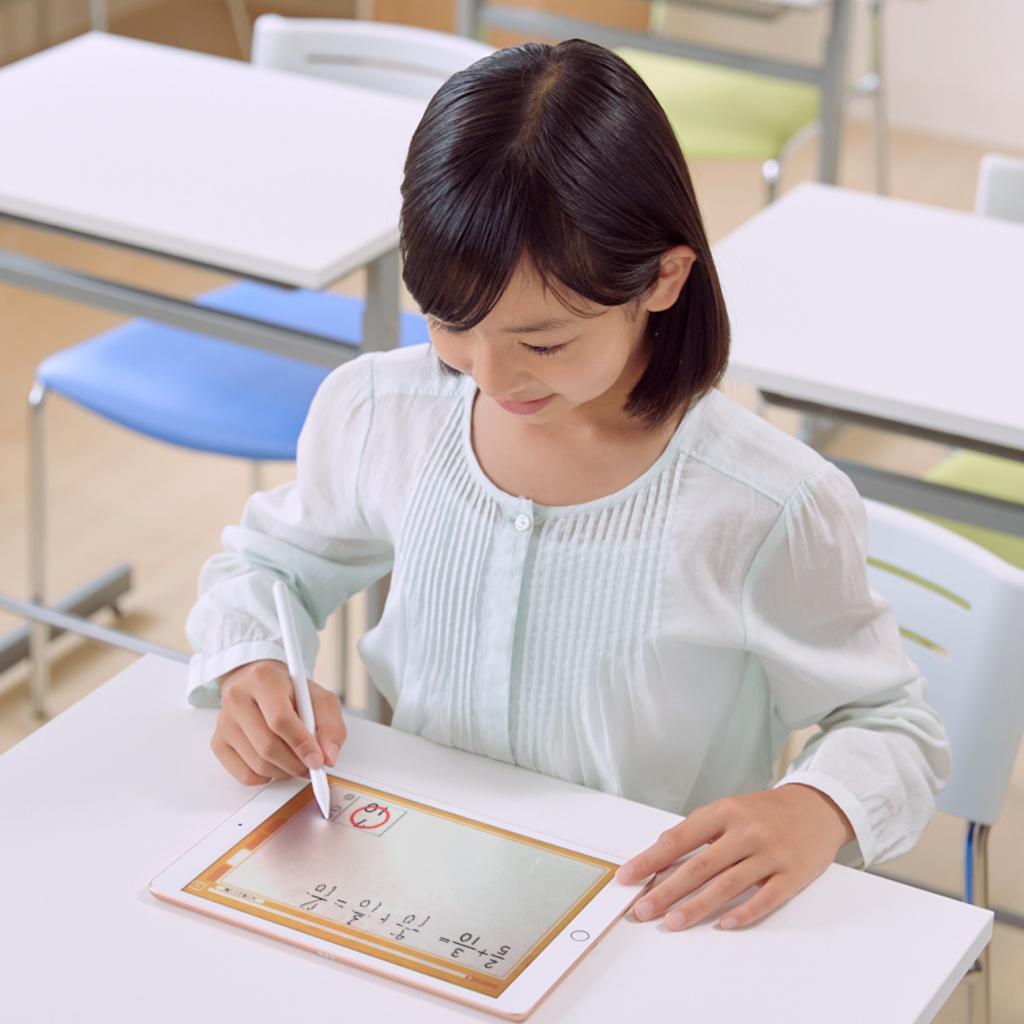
718 112
990 475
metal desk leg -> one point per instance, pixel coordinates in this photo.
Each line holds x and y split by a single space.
467 19
833 90
380 317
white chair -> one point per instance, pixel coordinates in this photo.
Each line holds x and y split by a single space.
391 58
961 613
1000 187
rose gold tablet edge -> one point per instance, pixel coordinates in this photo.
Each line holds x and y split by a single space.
558 981
495 1012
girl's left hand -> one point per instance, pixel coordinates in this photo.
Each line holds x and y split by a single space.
779 840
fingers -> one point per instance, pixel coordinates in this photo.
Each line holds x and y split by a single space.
330 729
249 723
283 721
235 765
688 877
726 887
699 828
776 891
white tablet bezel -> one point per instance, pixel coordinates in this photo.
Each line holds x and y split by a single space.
521 996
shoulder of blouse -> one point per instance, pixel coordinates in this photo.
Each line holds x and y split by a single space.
372 387
414 370
737 443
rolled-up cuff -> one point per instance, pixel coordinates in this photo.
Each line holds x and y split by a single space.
862 851
205 670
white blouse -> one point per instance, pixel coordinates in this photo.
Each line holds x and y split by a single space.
659 643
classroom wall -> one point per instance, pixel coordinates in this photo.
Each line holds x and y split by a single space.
955 67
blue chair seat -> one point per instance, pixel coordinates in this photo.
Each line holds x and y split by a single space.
207 394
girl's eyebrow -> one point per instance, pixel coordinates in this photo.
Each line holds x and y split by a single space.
537 325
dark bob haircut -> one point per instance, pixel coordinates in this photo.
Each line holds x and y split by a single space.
561 156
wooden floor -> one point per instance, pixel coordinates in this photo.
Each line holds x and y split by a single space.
115 496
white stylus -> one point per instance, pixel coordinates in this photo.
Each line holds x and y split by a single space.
317 776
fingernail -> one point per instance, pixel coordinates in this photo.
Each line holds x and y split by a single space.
643 910
313 760
677 919
332 753
728 922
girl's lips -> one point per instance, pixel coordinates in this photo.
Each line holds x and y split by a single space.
524 408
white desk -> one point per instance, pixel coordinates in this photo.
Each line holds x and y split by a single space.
100 800
900 315
250 171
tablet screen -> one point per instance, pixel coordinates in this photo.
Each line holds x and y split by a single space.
441 894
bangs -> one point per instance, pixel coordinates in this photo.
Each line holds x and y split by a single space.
458 262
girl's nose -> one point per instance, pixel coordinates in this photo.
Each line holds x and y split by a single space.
494 374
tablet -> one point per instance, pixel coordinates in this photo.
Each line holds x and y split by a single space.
468 908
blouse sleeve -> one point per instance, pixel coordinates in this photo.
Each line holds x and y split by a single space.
832 654
311 533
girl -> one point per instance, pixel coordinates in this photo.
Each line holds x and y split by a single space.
602 569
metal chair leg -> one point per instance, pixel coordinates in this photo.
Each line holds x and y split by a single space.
878 89
255 476
976 891
39 632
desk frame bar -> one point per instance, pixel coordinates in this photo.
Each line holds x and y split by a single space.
909 492
40 276
60 622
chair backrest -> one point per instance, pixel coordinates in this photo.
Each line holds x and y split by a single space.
961 613
1000 187
391 58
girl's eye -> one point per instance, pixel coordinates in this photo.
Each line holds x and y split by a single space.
545 350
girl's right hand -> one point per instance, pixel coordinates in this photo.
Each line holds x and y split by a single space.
259 735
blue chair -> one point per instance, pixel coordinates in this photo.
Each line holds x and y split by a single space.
193 391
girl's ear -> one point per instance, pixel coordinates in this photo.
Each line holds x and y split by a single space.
676 264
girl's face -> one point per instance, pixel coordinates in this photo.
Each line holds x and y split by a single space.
542 362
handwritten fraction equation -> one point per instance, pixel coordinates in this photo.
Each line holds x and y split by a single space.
366 914
467 944
321 897
371 817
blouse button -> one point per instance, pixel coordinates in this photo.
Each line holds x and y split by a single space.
523 522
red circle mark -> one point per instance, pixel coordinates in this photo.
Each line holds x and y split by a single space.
364 823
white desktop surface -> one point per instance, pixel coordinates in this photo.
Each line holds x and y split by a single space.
256 171
100 800
883 307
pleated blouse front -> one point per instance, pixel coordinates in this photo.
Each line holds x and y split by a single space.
658 643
